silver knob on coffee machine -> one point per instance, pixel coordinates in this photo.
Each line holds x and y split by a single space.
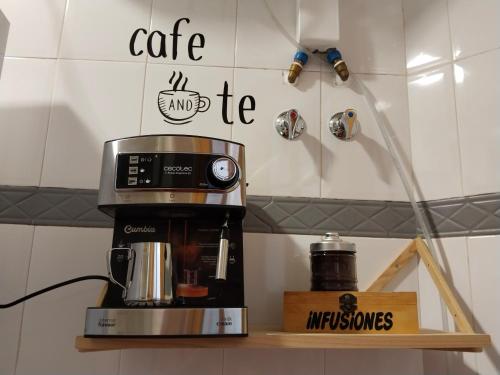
223 173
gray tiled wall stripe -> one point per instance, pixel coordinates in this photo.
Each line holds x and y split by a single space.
51 206
466 216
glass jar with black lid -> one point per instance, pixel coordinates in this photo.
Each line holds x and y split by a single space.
333 264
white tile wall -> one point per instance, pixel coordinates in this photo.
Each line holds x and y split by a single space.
15 254
96 101
474 26
93 102
363 168
435 104
260 42
477 83
434 134
427 34
215 20
282 262
484 258
52 321
35 27
462 96
452 256
171 361
208 82
453 259
101 29
25 101
273 361
88 35
372 36
373 362
4 33
267 154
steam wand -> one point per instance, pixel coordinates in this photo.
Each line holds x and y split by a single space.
222 259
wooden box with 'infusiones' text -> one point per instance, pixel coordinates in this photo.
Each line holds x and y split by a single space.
350 312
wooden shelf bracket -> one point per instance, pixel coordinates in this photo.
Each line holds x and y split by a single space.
418 247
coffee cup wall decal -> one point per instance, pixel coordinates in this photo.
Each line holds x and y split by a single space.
179 105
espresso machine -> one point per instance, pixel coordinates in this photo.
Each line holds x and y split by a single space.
176 262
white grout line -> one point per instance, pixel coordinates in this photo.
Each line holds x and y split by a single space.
321 153
235 32
416 188
49 120
193 65
324 361
426 69
59 43
118 370
471 298
222 364
455 107
145 71
475 54
413 72
52 91
16 363
234 71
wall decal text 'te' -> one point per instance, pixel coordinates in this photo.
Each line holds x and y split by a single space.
156 46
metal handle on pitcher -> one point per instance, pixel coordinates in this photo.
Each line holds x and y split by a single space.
108 263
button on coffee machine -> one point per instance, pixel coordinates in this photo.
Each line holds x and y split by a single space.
176 261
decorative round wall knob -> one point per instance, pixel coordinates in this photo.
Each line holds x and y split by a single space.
344 125
290 124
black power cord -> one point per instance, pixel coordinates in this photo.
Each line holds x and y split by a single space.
52 287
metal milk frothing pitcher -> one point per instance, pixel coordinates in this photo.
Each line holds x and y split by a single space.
149 274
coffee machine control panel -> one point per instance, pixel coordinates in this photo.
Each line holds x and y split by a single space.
175 170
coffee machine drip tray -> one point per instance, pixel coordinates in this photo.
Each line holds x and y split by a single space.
165 322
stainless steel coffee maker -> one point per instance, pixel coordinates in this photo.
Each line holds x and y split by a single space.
176 262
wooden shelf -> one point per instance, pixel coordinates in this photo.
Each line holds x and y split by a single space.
465 340
275 339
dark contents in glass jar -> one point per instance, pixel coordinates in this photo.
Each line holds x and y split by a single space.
333 271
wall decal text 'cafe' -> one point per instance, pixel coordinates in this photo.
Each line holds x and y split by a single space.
177 104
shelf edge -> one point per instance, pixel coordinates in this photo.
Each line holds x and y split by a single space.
434 341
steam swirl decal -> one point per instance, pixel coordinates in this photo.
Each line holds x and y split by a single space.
179 79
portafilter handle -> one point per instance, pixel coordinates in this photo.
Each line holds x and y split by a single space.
222 258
